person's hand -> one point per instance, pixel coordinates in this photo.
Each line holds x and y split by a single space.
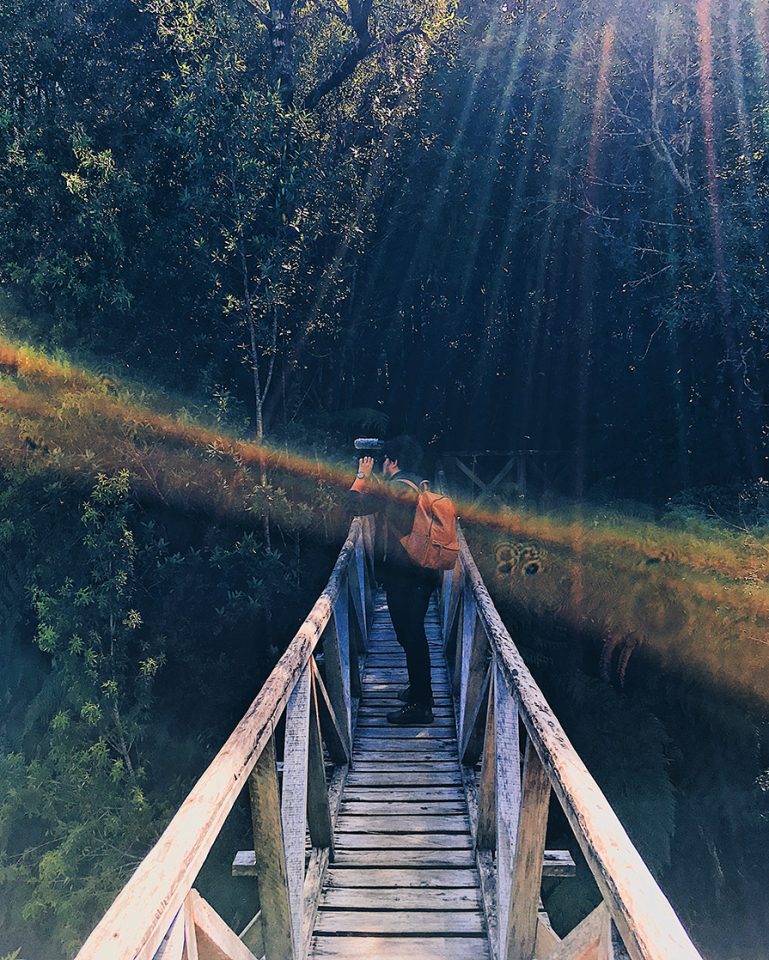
366 466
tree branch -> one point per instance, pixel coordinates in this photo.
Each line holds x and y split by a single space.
364 48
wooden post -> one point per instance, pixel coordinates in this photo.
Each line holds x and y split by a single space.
486 827
293 806
456 667
357 616
473 734
336 650
318 813
475 658
471 675
508 790
529 854
270 856
364 558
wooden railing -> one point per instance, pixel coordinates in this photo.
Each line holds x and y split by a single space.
159 914
495 697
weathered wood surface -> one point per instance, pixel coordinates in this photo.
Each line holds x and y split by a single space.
645 919
589 940
527 866
136 923
401 948
269 855
215 939
403 883
293 801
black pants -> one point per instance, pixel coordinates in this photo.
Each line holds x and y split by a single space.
408 597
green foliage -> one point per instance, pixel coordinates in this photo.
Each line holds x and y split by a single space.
115 617
75 815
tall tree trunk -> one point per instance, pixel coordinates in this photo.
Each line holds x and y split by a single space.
281 32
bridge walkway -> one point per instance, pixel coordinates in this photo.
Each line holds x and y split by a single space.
403 883
412 854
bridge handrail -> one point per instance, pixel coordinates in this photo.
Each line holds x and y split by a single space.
494 688
159 896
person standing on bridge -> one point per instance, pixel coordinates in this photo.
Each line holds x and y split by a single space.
408 587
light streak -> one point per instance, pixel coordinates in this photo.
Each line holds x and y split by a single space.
705 39
601 93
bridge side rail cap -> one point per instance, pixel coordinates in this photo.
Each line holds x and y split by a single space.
141 914
647 922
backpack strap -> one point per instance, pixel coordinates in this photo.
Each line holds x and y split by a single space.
409 482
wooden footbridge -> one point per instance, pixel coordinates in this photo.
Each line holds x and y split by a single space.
401 843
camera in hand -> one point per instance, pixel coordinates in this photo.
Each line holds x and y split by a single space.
369 447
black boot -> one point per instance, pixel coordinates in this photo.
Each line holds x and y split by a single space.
411 715
408 697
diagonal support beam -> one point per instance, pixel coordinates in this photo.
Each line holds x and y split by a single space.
590 940
318 811
215 939
333 733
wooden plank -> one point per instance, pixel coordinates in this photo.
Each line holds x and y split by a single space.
392 878
508 796
590 940
411 763
389 921
405 779
435 808
376 719
216 940
394 898
268 855
398 823
403 841
423 745
244 866
318 811
404 858
137 921
394 675
294 799
529 854
335 732
558 863
400 948
402 794
417 733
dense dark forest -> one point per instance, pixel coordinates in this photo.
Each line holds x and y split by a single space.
537 225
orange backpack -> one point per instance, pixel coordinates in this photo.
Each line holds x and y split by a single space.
433 541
